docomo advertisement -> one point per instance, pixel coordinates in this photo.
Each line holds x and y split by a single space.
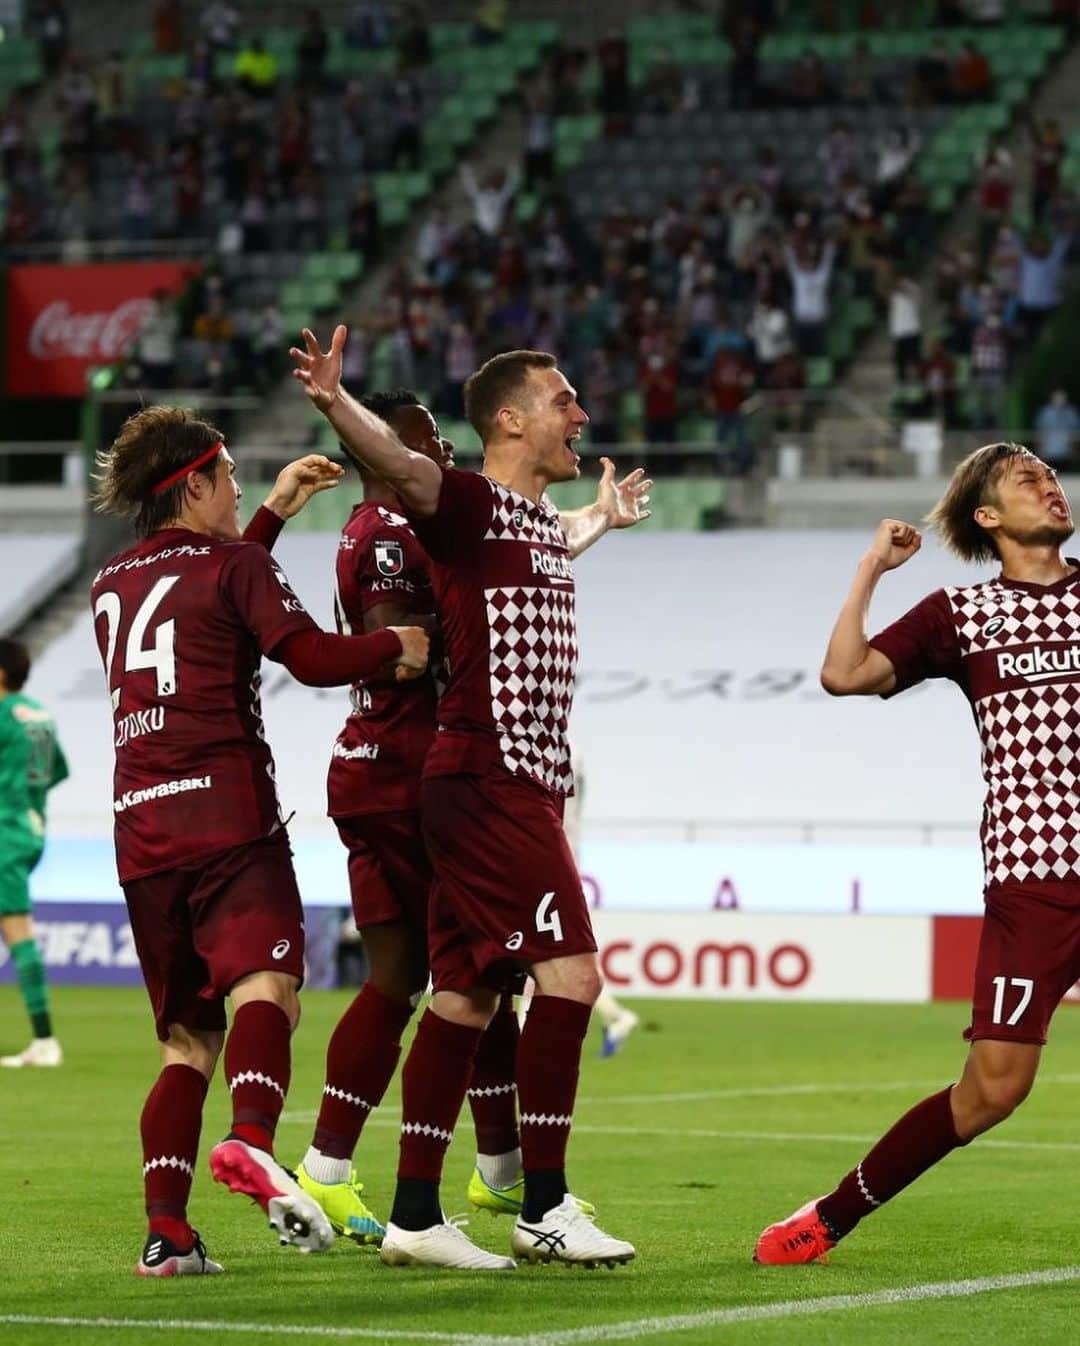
63 320
729 955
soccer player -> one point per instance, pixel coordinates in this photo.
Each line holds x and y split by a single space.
183 618
383 579
31 763
507 894
1010 644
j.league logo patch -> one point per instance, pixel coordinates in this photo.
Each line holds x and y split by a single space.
389 558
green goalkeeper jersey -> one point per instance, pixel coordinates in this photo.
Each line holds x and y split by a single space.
31 763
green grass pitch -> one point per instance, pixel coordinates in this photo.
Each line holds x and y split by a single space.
715 1119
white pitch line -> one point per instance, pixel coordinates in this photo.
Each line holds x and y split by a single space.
263 1329
761 1137
800 1308
719 1095
798 1137
599 1332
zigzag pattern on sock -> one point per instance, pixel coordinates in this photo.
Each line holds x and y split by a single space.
346 1097
491 1090
173 1161
544 1119
255 1077
424 1129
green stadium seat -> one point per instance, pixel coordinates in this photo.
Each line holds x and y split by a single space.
819 372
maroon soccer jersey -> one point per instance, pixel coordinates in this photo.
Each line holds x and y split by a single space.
1014 650
504 592
182 621
380 752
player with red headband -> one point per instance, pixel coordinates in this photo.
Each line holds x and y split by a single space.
183 618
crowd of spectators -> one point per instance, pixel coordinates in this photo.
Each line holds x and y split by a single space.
715 305
711 307
994 296
225 152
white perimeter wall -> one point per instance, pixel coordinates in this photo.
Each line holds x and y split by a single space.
698 698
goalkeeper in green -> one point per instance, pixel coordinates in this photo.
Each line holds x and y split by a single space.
31 763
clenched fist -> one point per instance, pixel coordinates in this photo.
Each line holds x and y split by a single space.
894 543
413 658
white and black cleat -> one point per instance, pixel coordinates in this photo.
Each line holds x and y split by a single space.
568 1234
297 1218
161 1257
442 1245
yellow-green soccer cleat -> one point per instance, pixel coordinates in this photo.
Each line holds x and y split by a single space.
496 1200
342 1206
507 1200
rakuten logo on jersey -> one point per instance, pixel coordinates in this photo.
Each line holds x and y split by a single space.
131 798
552 564
1039 665
60 333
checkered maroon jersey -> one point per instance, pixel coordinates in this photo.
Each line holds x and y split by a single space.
504 593
182 621
379 754
1014 650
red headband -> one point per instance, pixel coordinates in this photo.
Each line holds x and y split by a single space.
182 472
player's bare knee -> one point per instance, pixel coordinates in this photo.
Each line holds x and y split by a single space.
472 1009
197 1048
277 988
576 978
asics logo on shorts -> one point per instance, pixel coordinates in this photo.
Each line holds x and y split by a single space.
280 949
516 940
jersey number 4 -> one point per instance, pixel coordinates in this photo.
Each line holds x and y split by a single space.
547 919
1025 985
160 654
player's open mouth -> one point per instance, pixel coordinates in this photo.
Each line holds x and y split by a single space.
1059 508
571 441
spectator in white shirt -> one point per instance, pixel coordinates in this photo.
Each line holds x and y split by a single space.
220 24
810 270
905 325
490 200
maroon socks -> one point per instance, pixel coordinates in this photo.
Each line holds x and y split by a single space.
170 1124
493 1092
433 1084
360 1062
549 1058
919 1140
257 1069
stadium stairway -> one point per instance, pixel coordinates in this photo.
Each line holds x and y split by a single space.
870 379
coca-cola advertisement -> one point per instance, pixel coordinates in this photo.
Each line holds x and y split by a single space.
62 320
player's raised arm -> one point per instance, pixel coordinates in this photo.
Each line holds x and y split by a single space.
369 441
618 504
852 666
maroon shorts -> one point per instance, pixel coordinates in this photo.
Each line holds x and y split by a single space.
389 869
202 926
1029 957
507 893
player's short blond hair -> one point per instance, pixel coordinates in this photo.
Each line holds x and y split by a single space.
152 444
974 482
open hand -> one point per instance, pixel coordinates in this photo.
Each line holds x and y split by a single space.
320 371
623 502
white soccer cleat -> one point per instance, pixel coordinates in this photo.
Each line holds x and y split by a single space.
297 1217
616 1032
442 1245
41 1052
567 1233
